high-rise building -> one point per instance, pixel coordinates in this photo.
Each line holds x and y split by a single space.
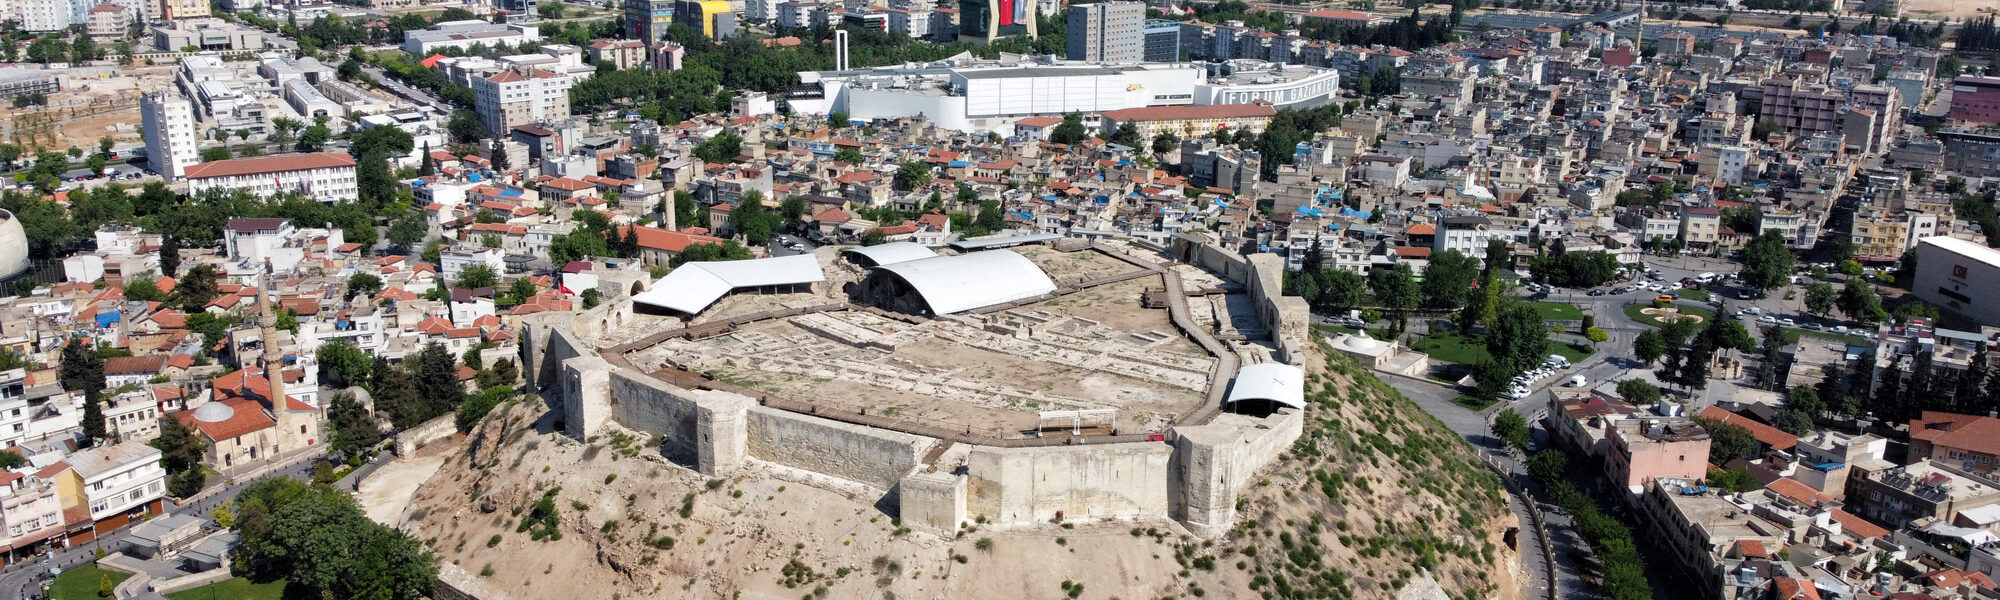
988 20
648 19
44 15
1107 32
1163 41
710 17
520 97
168 119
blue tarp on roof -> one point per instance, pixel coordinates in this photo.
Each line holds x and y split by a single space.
1051 198
1025 215
510 193
1349 212
1103 199
416 182
473 177
1307 211
105 319
959 163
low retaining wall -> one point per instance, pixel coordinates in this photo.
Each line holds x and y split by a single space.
410 440
186 582
1026 486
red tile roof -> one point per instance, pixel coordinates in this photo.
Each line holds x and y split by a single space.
655 238
269 164
1858 527
1770 436
248 418
1979 434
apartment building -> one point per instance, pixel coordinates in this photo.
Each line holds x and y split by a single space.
624 54
1107 32
521 97
1638 451
465 35
323 176
1801 107
1932 489
121 482
1974 98
1881 235
169 122
1701 227
1190 121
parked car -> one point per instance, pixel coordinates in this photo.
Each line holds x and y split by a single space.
1767 319
1597 292
1668 298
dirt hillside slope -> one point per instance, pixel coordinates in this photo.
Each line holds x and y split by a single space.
1377 500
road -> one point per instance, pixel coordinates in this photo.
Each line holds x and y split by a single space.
411 93
1610 361
22 580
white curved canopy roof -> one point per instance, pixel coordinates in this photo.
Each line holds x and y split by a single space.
952 284
894 252
1277 382
694 286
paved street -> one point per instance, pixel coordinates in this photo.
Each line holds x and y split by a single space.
22 580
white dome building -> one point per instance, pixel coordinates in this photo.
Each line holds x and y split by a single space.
1385 356
13 246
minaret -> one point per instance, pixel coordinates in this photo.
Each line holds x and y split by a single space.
273 363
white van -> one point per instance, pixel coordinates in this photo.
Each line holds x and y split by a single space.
1577 381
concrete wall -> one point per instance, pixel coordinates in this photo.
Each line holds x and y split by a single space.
1286 317
586 395
877 457
655 407
430 431
545 342
932 502
1213 461
1026 486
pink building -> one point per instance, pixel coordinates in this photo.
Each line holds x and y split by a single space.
1975 98
1642 450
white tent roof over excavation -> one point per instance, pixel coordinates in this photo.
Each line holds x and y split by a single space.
1277 382
894 252
1002 241
694 286
952 284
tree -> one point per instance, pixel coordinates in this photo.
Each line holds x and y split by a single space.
1126 135
1511 428
170 249
874 237
354 430
1792 422
477 276
363 284
726 146
1339 289
341 364
1396 289
1448 279
435 371
105 587
1860 301
1770 367
1165 142
180 448
144 290
793 209
754 221
315 137
1820 298
849 156
1639 392
94 427
1490 379
1575 269
1069 131
1518 339
82 369
1767 263
497 153
1805 400
912 174
1727 441
407 230
1649 346
1596 335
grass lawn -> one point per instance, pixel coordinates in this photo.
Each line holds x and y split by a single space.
236 588
1452 347
1632 310
1472 403
1574 352
1695 294
81 583
1557 311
